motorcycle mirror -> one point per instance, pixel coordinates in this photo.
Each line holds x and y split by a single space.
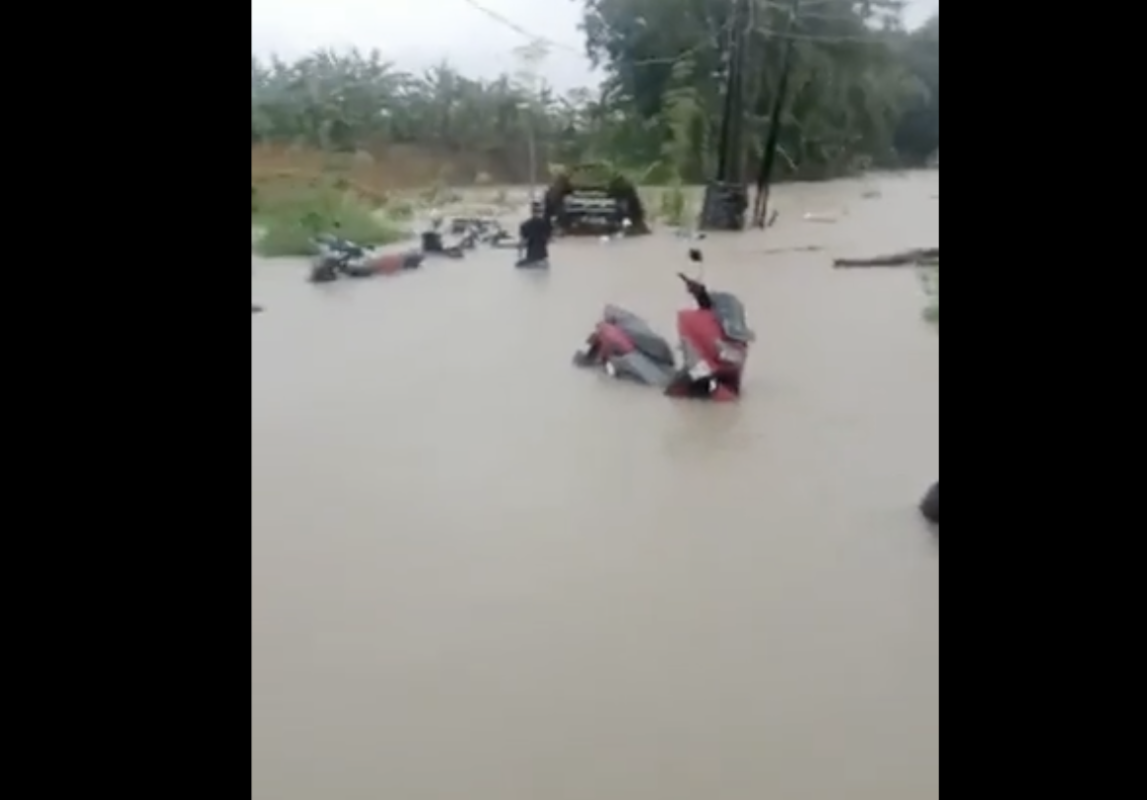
695 255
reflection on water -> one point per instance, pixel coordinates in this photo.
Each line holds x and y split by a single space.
481 574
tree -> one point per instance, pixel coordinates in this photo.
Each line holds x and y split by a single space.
851 81
918 132
862 90
353 100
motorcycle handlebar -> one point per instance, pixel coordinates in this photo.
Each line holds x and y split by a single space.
698 290
690 284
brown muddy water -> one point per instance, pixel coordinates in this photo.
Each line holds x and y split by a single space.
481 574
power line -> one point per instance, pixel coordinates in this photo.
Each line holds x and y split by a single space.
875 39
509 23
775 34
900 8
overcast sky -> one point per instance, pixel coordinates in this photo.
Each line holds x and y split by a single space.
419 33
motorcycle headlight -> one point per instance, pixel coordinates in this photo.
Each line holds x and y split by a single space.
700 371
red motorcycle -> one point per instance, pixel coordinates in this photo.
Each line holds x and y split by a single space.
714 338
341 258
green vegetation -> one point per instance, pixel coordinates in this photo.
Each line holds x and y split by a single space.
288 223
863 91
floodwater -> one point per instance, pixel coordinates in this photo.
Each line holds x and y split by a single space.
479 573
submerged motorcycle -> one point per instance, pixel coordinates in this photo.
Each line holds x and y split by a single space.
342 258
433 244
479 230
930 505
715 340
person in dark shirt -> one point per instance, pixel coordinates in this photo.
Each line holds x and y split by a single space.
535 236
432 236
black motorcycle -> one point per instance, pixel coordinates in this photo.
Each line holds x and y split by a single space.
330 244
333 258
433 245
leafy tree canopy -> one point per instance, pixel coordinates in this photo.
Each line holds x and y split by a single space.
862 90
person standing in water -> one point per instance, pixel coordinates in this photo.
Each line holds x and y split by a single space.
432 236
535 235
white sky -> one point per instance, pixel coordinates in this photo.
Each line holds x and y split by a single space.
419 33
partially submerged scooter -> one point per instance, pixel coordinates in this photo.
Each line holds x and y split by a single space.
715 340
343 258
434 244
328 243
478 230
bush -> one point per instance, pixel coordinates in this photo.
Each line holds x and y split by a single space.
289 224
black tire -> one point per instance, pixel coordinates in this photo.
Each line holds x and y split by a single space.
930 505
686 387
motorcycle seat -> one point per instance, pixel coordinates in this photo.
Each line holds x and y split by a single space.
644 339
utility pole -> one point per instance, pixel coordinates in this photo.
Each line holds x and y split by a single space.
532 156
530 58
769 157
726 195
728 140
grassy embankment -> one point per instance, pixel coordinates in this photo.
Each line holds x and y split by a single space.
292 199
298 193
371 199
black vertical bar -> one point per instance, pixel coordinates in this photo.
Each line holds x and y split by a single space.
735 166
769 157
724 138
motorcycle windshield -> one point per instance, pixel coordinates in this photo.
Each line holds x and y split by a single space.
731 312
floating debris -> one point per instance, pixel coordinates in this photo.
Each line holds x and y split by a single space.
807 248
905 258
